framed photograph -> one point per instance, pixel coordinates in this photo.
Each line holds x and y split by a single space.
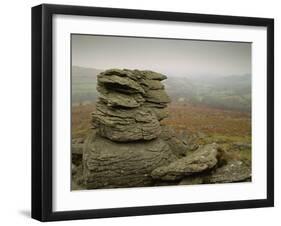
140 112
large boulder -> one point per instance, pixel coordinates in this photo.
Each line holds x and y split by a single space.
203 159
192 180
111 164
233 171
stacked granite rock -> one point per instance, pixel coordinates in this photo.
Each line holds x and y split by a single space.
131 105
128 146
125 146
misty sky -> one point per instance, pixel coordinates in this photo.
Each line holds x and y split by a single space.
168 56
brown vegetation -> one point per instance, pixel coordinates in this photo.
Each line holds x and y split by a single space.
204 125
81 120
182 117
208 120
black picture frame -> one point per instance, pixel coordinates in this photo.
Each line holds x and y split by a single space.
42 107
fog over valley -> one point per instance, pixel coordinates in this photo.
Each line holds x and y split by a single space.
230 92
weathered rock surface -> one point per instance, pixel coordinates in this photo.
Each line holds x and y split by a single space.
77 178
77 149
233 171
77 145
203 159
150 75
128 146
157 96
176 145
122 84
152 84
124 125
158 109
111 164
73 169
131 105
113 98
191 180
241 145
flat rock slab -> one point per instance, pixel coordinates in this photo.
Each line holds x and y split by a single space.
152 84
157 96
233 171
125 125
203 159
152 75
123 84
116 99
126 81
110 164
131 105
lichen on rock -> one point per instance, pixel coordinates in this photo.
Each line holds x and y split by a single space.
113 164
131 105
125 145
205 158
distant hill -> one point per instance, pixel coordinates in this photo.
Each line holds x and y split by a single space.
84 84
228 92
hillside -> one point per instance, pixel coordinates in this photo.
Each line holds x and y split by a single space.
227 92
84 84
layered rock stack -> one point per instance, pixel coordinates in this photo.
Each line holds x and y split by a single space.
128 146
125 146
131 105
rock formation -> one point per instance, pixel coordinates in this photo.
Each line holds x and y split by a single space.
125 146
129 147
131 105
232 171
203 159
117 164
